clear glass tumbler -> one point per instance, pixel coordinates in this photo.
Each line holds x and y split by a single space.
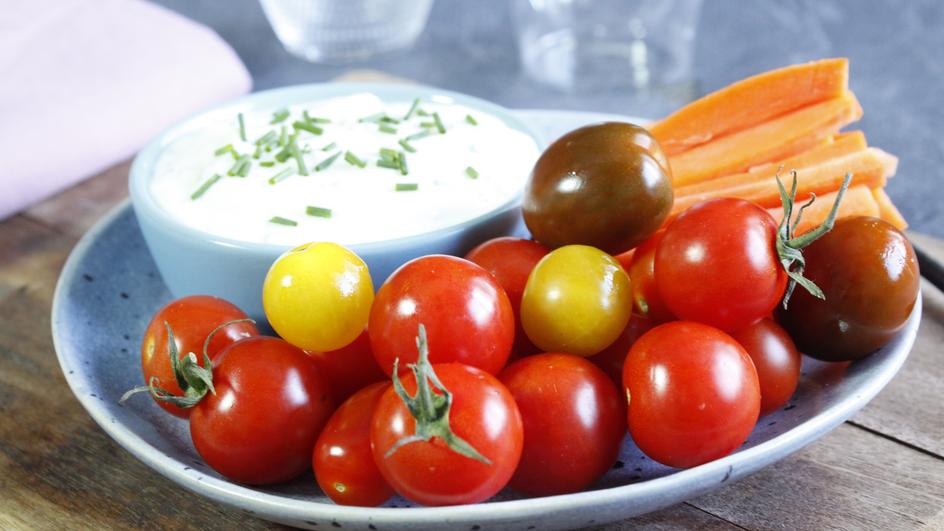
606 45
335 31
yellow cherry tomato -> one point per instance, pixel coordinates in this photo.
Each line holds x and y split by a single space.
577 300
317 296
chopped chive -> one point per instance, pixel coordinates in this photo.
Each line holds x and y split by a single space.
223 150
283 155
470 119
386 153
240 167
389 120
353 160
281 176
428 125
258 152
323 165
267 163
421 112
279 116
315 119
401 158
283 136
205 186
372 118
318 212
417 136
267 138
279 220
406 187
297 155
406 145
242 127
330 146
439 124
416 103
384 128
471 172
388 163
304 126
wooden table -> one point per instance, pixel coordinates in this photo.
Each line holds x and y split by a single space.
884 469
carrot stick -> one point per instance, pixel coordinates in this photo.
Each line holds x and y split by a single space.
887 210
858 201
750 102
836 146
869 167
766 142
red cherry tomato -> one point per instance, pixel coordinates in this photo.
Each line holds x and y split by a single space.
776 359
350 368
270 404
510 261
693 394
191 320
343 463
573 422
474 433
613 357
641 271
717 264
466 312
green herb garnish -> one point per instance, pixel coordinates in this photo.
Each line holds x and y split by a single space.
389 120
372 118
281 176
323 165
242 127
283 137
417 136
267 163
388 163
279 116
384 128
471 172
401 158
297 155
315 119
318 212
421 112
353 160
387 153
305 126
228 148
471 120
428 125
205 186
330 146
406 145
241 167
279 220
406 187
267 139
416 103
439 124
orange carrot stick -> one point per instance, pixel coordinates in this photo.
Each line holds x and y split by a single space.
858 201
887 210
750 102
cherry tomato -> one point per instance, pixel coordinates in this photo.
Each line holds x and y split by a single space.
717 264
474 434
607 185
573 422
613 357
350 368
317 296
270 404
776 359
191 320
693 394
641 271
343 462
466 312
868 272
510 261
577 300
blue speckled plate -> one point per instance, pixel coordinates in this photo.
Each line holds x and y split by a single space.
109 288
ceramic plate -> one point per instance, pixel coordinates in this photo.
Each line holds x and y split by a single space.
109 288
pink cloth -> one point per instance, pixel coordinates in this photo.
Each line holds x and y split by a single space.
84 84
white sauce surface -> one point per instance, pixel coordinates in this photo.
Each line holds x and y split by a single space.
365 206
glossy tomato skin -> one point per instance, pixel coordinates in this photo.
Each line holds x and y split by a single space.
573 422
869 273
606 185
317 296
693 394
343 462
350 368
467 315
776 359
717 264
510 261
577 300
646 299
483 413
191 319
270 405
613 357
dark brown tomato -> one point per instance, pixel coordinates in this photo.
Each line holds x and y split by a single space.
869 274
606 185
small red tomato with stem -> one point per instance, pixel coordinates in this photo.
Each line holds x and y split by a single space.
692 392
510 261
573 422
776 359
613 357
447 434
343 462
466 312
192 319
350 368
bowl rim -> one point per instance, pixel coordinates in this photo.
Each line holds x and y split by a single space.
144 163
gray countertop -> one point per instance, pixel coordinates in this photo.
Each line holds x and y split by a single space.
895 50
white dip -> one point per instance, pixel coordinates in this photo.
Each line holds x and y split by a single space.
364 203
